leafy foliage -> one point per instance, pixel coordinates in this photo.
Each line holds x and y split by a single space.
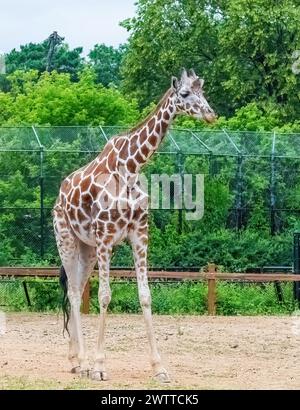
167 298
52 98
244 52
34 56
106 61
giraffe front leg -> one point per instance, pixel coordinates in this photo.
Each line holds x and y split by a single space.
104 295
139 241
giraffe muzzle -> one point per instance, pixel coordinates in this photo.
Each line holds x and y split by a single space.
210 117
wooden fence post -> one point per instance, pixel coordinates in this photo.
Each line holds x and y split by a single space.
211 299
86 298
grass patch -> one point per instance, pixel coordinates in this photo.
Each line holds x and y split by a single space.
184 297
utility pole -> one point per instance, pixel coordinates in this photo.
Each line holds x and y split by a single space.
53 40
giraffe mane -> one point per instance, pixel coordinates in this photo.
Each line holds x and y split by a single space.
156 108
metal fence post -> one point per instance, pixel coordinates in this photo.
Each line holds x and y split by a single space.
239 183
180 168
297 265
239 209
211 165
273 223
42 216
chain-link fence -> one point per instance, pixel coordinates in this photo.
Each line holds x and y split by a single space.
252 181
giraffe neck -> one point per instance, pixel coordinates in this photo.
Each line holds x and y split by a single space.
145 138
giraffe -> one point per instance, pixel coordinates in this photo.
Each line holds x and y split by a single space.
91 216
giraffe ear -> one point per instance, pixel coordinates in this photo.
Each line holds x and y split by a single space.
197 84
174 83
192 73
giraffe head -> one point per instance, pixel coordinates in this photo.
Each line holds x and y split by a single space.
189 97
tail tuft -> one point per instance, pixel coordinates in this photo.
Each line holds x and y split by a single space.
63 280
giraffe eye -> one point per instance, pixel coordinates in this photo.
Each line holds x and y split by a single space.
185 94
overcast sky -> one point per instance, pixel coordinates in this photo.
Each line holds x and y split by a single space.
81 22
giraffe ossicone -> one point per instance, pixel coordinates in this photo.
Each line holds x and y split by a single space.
103 203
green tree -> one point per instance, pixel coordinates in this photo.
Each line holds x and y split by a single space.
33 57
53 99
166 36
106 61
4 83
257 41
242 48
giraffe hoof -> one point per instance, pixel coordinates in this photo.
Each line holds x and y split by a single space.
99 375
162 377
75 370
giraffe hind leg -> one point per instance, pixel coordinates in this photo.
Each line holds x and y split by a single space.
86 263
78 261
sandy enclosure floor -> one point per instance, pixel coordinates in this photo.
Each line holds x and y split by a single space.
200 352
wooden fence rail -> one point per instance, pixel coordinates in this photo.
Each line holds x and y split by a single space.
211 276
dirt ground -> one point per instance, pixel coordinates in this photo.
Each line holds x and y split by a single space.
200 352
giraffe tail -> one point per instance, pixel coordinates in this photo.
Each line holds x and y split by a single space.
63 280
